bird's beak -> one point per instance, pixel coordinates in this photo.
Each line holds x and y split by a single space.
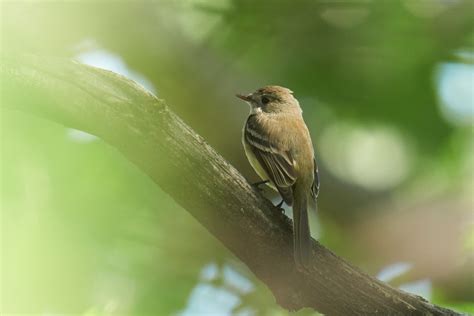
246 98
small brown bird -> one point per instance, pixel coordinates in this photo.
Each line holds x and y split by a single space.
278 146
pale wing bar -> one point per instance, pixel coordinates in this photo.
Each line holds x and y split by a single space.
315 186
278 164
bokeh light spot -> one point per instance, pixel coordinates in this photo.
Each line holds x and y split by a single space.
104 59
80 136
455 88
376 158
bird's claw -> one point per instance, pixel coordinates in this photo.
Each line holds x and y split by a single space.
279 206
257 185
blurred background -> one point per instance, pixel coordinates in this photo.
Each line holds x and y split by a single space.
387 92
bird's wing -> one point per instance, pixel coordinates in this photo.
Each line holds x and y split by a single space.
275 160
315 186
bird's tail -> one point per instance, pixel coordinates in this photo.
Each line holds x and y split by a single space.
301 233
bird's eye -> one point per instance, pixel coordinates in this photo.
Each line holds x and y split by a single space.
265 100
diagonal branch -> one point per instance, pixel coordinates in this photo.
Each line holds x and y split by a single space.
178 160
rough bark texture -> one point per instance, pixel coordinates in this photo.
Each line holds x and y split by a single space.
178 160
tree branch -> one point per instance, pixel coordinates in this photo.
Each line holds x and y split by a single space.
178 160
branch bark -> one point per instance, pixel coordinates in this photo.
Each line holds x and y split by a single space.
178 160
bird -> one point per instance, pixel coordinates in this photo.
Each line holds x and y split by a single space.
278 145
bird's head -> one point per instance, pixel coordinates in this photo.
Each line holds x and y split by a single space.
272 99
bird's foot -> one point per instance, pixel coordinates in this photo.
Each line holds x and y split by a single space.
279 206
257 185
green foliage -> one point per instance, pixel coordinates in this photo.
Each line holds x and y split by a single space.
383 88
